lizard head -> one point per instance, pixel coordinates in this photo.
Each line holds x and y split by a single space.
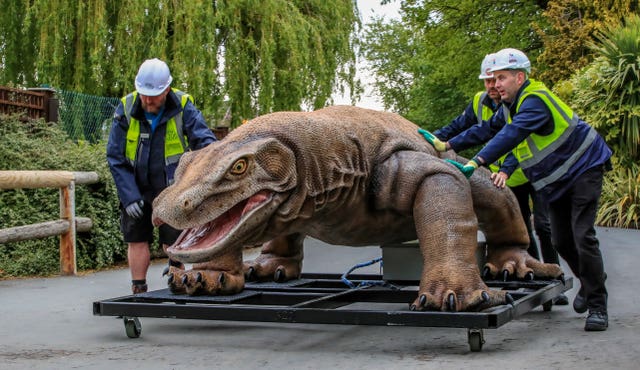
224 196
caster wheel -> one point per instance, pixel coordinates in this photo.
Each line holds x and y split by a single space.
546 306
132 327
476 339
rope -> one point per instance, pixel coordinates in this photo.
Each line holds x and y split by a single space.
352 285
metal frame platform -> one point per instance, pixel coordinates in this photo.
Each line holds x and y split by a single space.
326 299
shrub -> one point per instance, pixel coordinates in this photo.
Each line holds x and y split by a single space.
620 201
36 145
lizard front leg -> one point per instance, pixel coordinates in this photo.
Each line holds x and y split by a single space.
447 231
280 259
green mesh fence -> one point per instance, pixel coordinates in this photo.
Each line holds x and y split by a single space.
85 117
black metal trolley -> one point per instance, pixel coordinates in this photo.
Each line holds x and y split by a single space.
326 299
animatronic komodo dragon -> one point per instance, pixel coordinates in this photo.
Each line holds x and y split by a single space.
346 176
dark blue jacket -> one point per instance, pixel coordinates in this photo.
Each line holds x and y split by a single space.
150 177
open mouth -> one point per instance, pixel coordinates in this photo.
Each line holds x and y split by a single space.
211 233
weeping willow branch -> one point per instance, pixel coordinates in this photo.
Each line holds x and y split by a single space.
255 56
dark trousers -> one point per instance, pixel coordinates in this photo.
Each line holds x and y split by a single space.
573 218
541 223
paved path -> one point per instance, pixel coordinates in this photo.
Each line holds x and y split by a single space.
49 324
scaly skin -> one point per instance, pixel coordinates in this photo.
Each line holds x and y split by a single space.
346 176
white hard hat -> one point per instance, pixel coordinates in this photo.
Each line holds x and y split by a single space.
153 77
510 59
487 63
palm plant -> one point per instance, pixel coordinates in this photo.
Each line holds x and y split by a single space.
620 201
619 47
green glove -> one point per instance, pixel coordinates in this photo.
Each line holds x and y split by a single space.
467 169
438 144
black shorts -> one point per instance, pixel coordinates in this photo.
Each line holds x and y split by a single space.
141 230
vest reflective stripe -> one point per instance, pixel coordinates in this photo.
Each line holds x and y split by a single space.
483 112
175 143
536 148
560 171
133 132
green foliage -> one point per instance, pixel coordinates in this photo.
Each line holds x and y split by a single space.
35 145
620 200
260 55
620 47
569 28
427 64
607 92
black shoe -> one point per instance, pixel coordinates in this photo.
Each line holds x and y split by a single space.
138 288
596 321
579 302
561 300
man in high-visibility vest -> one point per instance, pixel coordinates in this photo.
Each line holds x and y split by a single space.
152 127
565 160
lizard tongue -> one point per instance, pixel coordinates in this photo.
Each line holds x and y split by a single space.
209 233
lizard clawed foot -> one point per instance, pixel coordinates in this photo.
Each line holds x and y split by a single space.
210 282
478 300
517 264
279 269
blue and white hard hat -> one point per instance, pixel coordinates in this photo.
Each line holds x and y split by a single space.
485 66
510 59
153 77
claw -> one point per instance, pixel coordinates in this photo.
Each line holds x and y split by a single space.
509 299
485 297
221 279
278 276
412 307
165 271
185 279
561 277
249 274
170 279
423 300
528 276
198 278
485 272
505 275
451 303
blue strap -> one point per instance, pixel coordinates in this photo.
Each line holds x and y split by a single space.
350 284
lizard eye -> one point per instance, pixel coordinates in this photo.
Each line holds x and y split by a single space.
239 167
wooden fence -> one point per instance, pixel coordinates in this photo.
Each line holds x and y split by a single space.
66 226
32 103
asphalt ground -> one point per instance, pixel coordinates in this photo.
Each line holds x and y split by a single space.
48 323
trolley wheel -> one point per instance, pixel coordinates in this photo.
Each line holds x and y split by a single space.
476 339
132 327
546 306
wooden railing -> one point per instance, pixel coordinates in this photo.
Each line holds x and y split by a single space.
66 226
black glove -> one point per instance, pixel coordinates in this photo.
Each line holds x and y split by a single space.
134 210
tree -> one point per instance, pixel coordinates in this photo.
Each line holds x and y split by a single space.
572 25
261 55
426 64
